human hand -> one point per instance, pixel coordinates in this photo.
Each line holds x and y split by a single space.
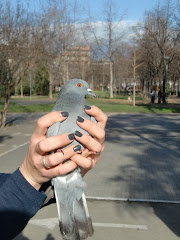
94 142
33 168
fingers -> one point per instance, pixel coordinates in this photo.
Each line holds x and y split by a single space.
52 143
60 156
100 117
59 169
88 141
92 128
83 162
47 120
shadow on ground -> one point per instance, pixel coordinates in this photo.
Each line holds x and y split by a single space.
3 137
170 215
153 172
21 237
20 118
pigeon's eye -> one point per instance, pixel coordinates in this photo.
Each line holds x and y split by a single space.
79 85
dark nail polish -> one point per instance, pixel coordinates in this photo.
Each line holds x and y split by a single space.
77 148
65 114
87 107
77 133
71 136
80 119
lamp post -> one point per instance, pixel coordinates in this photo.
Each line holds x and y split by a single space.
166 60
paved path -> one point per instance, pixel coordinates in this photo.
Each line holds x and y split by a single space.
141 159
113 221
140 162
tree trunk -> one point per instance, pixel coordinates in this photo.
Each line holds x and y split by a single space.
103 79
119 86
134 76
67 72
134 94
15 93
50 85
21 88
145 89
111 80
92 83
6 105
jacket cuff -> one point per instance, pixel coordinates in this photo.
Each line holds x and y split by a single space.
34 197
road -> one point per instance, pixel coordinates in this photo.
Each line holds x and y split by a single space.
133 193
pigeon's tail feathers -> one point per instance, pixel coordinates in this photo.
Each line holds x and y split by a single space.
75 223
88 217
65 208
74 219
82 218
66 222
66 235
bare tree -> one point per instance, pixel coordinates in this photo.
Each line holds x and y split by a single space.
106 44
176 64
157 42
60 17
14 54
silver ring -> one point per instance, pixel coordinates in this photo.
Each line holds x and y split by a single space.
44 162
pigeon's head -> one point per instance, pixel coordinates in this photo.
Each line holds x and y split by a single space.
78 87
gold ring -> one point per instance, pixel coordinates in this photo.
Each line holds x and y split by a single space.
44 162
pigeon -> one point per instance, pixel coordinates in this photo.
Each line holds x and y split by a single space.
74 220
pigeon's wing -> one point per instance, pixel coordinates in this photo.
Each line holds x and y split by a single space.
47 187
54 129
93 119
81 214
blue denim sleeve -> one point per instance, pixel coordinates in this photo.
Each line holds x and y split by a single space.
19 202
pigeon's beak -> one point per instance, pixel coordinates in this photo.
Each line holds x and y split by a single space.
90 92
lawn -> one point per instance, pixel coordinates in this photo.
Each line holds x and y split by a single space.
99 94
128 108
105 105
15 108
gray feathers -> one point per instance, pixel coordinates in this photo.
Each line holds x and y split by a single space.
71 99
74 220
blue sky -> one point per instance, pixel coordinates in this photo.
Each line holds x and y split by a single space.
132 9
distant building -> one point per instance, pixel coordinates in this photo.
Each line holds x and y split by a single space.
75 62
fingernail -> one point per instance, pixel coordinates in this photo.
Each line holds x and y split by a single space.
65 114
80 119
87 107
77 148
71 136
77 133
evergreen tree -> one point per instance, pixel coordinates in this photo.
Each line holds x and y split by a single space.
41 84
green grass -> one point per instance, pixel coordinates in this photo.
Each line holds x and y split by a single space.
105 106
27 98
14 108
99 94
106 95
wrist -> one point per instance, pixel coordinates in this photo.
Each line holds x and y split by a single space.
29 178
